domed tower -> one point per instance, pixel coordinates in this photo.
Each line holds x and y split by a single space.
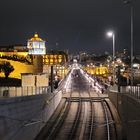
36 48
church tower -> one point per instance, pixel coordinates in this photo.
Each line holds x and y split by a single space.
36 48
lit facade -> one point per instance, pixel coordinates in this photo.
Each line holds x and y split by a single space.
36 46
48 59
33 58
101 71
25 63
54 59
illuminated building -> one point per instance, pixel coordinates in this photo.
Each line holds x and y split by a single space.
36 48
33 58
58 60
55 58
97 70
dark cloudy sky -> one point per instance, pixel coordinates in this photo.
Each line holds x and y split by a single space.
76 25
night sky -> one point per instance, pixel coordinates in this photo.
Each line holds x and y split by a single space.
74 25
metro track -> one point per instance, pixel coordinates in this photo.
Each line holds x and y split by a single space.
106 128
81 117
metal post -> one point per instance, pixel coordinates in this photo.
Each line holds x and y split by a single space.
32 90
113 36
27 91
130 2
119 80
51 79
132 44
113 46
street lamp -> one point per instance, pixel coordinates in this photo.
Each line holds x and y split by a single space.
130 2
112 34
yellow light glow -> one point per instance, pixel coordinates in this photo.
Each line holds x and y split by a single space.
60 56
59 60
35 38
51 60
36 35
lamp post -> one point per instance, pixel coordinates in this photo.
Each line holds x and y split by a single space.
130 3
132 43
112 34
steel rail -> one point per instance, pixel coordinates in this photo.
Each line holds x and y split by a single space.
60 121
77 118
92 122
75 123
92 118
107 119
113 120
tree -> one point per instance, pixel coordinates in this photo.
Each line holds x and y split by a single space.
0 67
7 68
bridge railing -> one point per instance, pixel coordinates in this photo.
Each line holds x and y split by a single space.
22 91
132 90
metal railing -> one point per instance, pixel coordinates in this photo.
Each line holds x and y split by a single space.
135 91
22 91
132 90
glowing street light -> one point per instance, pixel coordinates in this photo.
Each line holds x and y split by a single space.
112 34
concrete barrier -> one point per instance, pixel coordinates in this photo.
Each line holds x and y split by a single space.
128 108
21 118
